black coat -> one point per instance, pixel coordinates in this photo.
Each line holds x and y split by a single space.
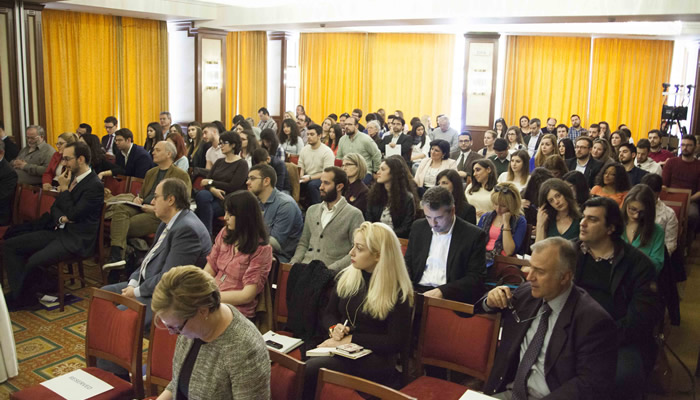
406 143
592 169
466 260
137 165
401 221
8 185
11 149
308 290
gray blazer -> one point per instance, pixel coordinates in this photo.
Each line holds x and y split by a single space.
187 243
331 244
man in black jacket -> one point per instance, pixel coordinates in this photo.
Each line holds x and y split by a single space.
584 162
446 256
8 183
11 149
71 232
131 159
398 138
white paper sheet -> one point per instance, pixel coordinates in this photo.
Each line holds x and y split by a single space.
77 385
395 151
472 395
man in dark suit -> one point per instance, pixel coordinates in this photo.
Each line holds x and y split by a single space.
8 183
557 341
584 162
70 231
108 141
446 256
11 149
181 239
131 159
465 156
398 138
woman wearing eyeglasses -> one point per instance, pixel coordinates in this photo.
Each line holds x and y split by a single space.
55 167
612 182
370 306
227 175
641 230
558 214
505 225
355 167
187 302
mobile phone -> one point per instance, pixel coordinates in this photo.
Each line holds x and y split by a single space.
350 348
273 344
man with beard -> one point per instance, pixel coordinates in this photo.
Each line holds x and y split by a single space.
465 156
576 129
584 162
658 154
330 225
626 154
684 173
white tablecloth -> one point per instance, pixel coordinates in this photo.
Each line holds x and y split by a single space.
8 361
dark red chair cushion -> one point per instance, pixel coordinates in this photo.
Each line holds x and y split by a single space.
281 383
121 389
330 391
427 388
111 330
163 346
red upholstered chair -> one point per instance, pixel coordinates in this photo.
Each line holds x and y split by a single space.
294 159
112 335
135 185
681 196
404 245
286 377
197 184
26 207
46 200
116 184
338 162
448 340
159 369
280 306
334 385
677 208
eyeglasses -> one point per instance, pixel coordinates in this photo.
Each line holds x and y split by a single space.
349 165
224 143
502 189
635 210
516 317
173 330
67 158
252 178
581 147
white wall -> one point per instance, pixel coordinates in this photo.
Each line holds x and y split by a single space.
181 77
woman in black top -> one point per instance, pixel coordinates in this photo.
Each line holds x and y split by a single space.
370 306
154 134
98 163
579 185
390 200
530 195
270 143
196 146
356 193
450 180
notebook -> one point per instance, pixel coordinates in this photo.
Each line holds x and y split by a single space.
281 343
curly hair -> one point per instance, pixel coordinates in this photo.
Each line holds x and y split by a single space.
400 186
622 180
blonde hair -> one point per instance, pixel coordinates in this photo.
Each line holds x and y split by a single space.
539 157
359 161
68 137
290 115
507 196
184 290
389 283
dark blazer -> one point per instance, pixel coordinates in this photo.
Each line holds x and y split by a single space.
11 149
406 143
466 260
581 356
105 140
8 185
402 222
137 165
468 214
82 206
473 156
187 243
636 175
199 158
592 169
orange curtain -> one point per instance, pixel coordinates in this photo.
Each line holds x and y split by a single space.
546 76
231 76
246 74
626 82
80 70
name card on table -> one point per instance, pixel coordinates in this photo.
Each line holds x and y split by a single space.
77 385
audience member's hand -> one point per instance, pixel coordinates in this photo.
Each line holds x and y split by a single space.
148 208
434 293
392 145
46 186
218 193
335 343
498 297
64 179
128 292
542 217
101 175
505 218
525 203
138 200
339 331
305 178
19 163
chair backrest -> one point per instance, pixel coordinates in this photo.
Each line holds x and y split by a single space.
294 159
334 385
338 162
404 245
135 185
676 206
286 377
197 184
466 344
116 184
46 200
293 172
281 295
115 335
26 204
159 369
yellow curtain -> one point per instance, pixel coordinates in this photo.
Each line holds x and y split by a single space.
626 82
231 76
333 73
546 77
411 73
79 70
144 74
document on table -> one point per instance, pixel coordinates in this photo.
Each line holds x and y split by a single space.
472 395
77 385
395 151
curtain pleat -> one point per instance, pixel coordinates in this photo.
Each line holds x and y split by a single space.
232 63
252 84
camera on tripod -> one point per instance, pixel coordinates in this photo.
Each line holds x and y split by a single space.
672 115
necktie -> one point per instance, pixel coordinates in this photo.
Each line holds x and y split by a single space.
460 166
73 185
150 254
530 356
109 144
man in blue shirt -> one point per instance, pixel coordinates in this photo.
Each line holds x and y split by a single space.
281 213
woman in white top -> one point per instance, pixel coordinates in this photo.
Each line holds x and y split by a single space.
429 168
478 192
290 140
421 144
514 137
518 170
489 139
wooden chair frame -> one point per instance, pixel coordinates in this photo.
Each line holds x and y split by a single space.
18 198
280 319
134 369
152 381
361 385
681 225
294 365
463 308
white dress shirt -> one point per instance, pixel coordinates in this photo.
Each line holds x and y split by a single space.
435 273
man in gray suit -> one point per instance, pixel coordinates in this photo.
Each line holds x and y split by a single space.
181 239
330 225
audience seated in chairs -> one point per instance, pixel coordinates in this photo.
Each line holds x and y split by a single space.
641 229
32 161
566 148
643 160
621 279
450 180
69 231
578 184
518 171
420 145
129 221
501 158
374 296
479 191
226 176
210 134
558 214
665 216
11 149
329 226
219 354
429 168
547 147
313 159
390 200
8 183
290 139
249 141
445 255
557 341
464 156
556 166
505 226
281 213
241 257
612 183
55 167
356 193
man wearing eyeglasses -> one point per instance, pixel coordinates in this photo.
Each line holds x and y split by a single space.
557 341
584 162
69 231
